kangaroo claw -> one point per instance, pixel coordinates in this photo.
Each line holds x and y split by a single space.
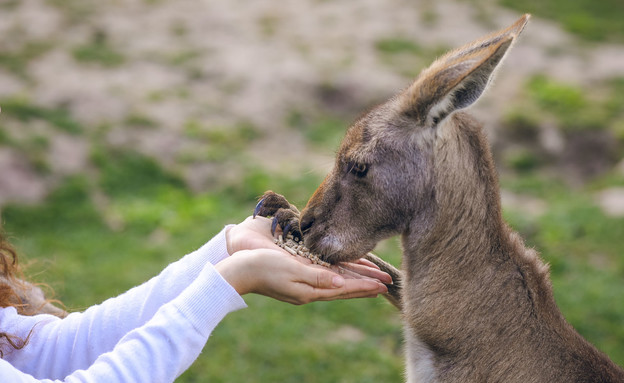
291 228
258 207
274 225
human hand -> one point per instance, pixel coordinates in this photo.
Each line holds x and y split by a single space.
258 265
279 275
252 233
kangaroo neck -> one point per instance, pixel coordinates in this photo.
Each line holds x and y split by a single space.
466 224
460 270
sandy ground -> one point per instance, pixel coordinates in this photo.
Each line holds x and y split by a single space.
220 63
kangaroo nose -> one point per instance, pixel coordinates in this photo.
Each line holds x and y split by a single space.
306 222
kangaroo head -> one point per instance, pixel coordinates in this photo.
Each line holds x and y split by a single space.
384 181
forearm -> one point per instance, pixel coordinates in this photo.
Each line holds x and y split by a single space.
85 336
169 343
139 304
158 351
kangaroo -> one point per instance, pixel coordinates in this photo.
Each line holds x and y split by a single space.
477 305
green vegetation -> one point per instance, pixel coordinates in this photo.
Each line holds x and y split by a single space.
75 11
16 61
561 99
35 148
126 173
71 245
140 120
552 124
405 56
219 142
615 103
268 24
584 249
570 107
398 45
23 110
522 160
589 19
5 138
322 131
99 51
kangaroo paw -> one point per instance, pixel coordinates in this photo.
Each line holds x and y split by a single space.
284 214
271 202
288 221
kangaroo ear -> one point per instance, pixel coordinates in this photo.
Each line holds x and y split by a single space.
456 80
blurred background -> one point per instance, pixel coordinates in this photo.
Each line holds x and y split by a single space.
134 130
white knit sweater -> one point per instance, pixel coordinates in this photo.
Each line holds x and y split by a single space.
151 333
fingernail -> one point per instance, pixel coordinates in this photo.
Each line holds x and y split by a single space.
338 281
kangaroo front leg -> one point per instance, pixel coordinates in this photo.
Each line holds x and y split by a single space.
394 290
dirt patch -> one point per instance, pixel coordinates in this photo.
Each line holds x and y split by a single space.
219 63
611 201
346 334
19 181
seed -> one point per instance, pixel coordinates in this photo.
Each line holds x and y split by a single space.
297 248
288 249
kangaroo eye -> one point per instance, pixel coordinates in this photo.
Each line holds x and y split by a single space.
357 169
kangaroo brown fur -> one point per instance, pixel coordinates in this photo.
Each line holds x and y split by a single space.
477 304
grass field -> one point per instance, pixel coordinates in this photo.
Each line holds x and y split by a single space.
594 21
85 261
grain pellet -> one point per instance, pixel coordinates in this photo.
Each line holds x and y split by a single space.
297 248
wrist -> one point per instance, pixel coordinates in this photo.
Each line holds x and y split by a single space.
234 270
229 242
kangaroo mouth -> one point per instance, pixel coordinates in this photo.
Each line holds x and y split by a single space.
332 249
326 248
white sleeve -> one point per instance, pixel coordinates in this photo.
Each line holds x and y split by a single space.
159 351
87 335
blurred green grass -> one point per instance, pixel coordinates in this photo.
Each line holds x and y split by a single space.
591 20
584 249
89 248
70 246
24 110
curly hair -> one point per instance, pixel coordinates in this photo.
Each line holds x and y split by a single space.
9 270
9 276
26 298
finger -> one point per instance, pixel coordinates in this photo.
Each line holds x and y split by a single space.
350 296
363 271
366 262
364 286
346 272
351 292
353 288
320 278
